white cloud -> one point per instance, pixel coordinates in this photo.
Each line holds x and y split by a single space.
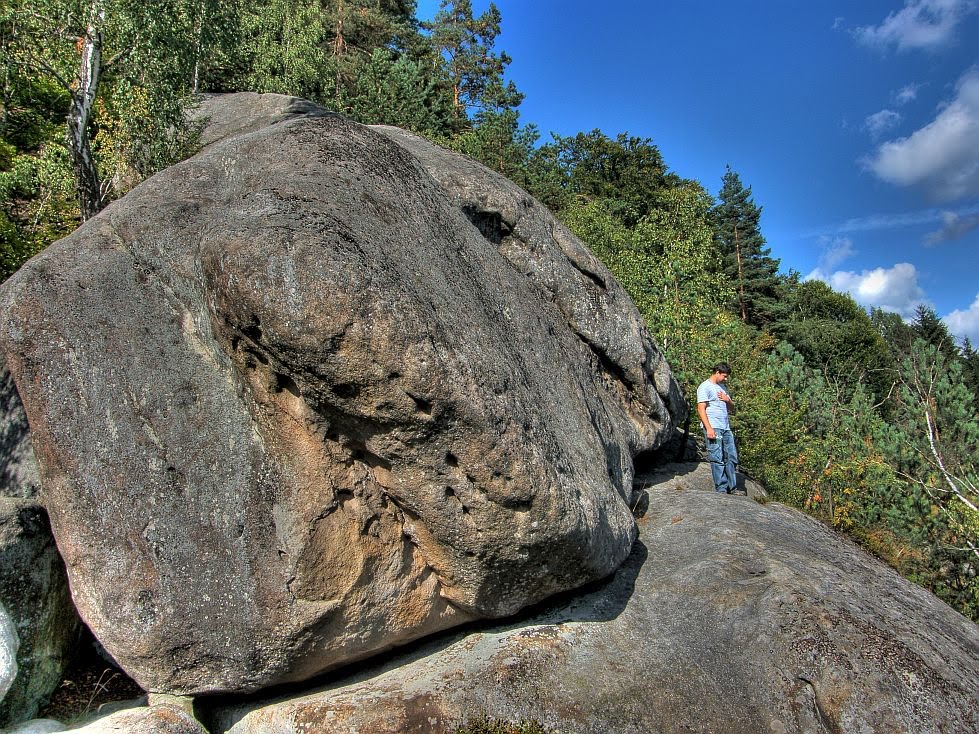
965 323
954 227
907 93
919 24
881 122
943 156
878 222
892 289
835 250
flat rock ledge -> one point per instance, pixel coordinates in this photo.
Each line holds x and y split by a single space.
729 616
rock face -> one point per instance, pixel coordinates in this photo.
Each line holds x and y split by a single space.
34 591
9 642
145 720
320 390
18 468
728 617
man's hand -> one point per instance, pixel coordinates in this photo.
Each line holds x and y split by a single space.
711 433
725 397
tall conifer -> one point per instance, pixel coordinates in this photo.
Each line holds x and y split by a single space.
742 255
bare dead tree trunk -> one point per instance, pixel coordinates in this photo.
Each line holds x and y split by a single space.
199 48
339 49
83 94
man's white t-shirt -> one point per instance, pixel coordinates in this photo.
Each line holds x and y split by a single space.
709 393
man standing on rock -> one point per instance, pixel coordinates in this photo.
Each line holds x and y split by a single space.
714 405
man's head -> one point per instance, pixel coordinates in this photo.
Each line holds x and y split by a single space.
722 370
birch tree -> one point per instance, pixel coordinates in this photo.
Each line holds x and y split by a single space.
125 69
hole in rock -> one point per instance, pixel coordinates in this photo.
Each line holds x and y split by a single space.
345 390
451 459
646 462
286 383
344 495
254 330
90 681
366 456
449 492
489 223
424 406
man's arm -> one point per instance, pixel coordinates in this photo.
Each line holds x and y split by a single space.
708 428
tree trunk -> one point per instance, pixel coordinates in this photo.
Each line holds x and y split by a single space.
339 50
83 94
737 252
199 48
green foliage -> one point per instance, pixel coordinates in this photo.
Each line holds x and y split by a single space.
498 142
284 48
627 173
935 449
394 90
122 115
319 50
905 487
836 337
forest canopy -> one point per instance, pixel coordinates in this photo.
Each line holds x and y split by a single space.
862 420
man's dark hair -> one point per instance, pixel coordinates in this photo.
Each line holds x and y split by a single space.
722 367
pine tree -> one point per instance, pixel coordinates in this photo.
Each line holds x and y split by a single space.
970 367
928 326
934 445
318 49
473 70
743 257
394 90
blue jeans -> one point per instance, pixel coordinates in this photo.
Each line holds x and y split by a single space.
723 455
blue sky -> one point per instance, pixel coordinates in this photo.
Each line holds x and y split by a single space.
855 123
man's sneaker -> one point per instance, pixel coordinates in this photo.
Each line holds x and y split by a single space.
740 493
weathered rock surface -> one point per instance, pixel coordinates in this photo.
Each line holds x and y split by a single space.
321 390
18 469
9 642
694 475
145 720
34 591
36 726
729 616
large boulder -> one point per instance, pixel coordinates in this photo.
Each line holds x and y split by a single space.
320 390
34 592
729 616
